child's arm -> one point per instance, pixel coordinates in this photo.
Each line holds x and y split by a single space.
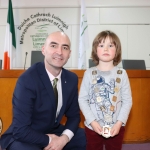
84 102
96 127
126 99
116 128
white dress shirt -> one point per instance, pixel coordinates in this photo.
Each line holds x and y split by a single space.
67 132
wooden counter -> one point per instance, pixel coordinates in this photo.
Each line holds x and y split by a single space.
137 128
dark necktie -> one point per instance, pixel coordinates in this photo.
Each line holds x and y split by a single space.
55 90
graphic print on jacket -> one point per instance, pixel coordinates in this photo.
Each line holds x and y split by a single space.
100 95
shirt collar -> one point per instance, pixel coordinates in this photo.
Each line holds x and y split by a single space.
52 77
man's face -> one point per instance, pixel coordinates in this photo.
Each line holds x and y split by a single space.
56 50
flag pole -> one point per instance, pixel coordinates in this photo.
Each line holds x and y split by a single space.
84 41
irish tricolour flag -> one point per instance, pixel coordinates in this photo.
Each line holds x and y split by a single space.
10 39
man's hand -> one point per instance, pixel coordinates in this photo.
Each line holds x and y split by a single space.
96 127
57 142
116 128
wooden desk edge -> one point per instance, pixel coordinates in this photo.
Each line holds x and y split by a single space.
80 73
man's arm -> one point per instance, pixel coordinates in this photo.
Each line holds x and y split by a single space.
23 104
72 109
57 142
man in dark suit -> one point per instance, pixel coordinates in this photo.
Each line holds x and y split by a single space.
38 108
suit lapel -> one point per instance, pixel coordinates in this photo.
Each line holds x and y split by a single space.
46 81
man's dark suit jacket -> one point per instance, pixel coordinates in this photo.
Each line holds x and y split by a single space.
34 107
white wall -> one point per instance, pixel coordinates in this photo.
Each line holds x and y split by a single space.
130 20
75 3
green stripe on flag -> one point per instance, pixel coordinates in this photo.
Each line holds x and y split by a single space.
10 21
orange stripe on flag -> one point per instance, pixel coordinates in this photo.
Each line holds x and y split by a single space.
6 61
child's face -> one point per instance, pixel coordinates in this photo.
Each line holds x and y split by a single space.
106 50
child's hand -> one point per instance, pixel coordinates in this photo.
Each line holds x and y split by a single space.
116 128
96 127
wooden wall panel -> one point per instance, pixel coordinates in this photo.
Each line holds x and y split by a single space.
145 110
7 86
132 126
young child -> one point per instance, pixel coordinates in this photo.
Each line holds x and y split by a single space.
105 96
